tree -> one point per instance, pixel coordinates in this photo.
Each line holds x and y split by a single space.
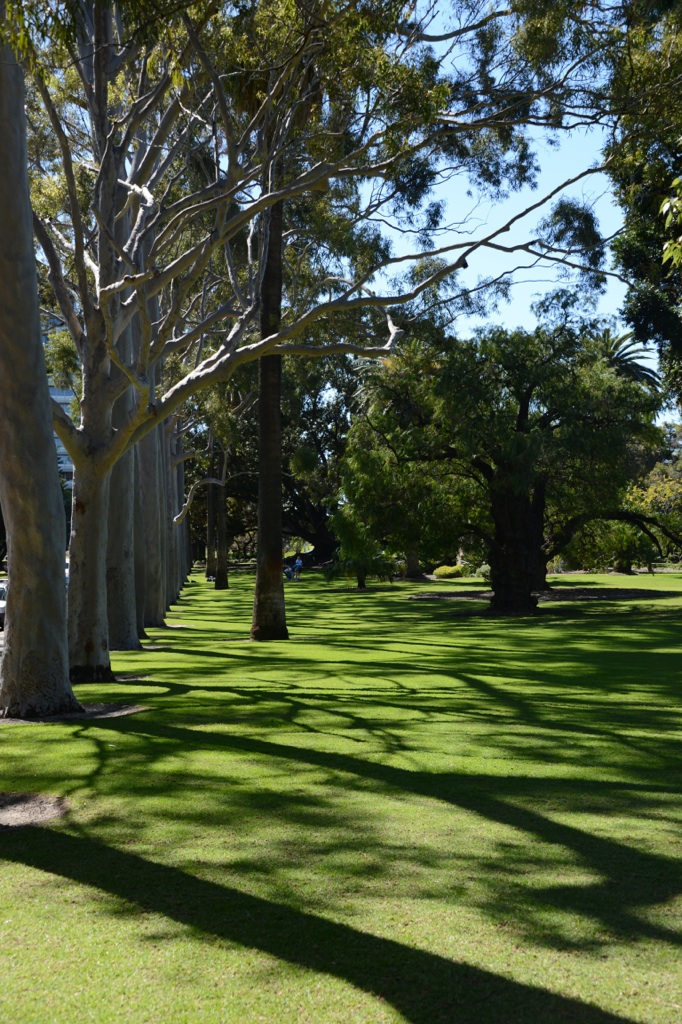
151 248
358 556
644 158
34 678
534 432
151 265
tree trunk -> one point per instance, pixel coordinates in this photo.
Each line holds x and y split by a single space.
412 567
211 564
176 532
87 604
513 558
169 511
186 560
121 589
34 676
152 503
269 612
221 580
121 604
140 553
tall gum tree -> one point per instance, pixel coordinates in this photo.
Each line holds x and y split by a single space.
34 676
127 122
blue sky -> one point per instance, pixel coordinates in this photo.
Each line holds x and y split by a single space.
472 218
577 152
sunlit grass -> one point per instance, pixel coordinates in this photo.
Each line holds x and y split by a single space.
408 813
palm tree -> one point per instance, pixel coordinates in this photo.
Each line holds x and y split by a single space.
624 354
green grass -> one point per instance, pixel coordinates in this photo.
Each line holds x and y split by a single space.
408 813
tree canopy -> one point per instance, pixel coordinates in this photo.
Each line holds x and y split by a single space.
515 437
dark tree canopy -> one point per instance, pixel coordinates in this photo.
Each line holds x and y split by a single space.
515 437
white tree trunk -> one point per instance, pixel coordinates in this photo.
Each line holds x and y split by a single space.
121 590
172 589
140 553
153 502
121 597
87 605
34 677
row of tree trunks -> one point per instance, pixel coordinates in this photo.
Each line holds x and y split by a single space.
129 560
34 676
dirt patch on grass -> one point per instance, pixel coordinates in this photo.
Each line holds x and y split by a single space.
555 594
604 594
17 809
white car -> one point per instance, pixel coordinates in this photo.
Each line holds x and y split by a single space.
3 603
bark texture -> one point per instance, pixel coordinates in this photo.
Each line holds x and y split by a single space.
516 556
121 596
211 498
413 570
34 676
153 503
87 606
269 612
140 554
221 575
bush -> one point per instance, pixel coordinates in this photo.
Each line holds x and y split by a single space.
448 572
484 571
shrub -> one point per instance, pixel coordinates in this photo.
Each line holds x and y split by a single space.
484 571
448 572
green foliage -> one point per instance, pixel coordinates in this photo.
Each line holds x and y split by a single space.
645 161
448 427
611 545
61 360
450 572
624 353
659 494
359 556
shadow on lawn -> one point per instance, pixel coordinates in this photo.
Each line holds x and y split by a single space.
424 987
631 880
533 689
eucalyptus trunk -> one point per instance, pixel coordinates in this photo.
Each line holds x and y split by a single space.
172 553
152 503
87 603
140 553
269 612
211 503
211 557
183 528
121 588
34 671
121 597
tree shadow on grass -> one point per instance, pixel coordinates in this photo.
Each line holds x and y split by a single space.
631 880
424 987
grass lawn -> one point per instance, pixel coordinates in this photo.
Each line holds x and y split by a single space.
408 813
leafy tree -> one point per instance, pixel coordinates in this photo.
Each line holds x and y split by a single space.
611 545
154 267
644 157
358 556
658 497
532 433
